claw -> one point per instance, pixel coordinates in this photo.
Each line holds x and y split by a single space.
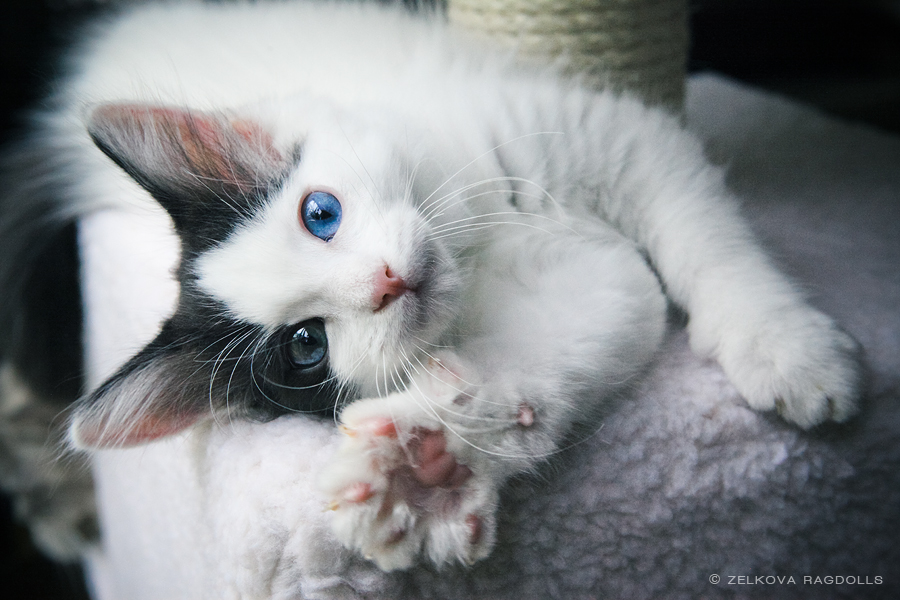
780 406
359 492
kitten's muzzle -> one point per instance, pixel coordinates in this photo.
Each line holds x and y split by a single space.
388 287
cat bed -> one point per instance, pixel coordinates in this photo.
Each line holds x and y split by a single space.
681 492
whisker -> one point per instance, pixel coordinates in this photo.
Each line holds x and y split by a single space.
436 206
218 362
429 406
480 226
460 414
255 346
234 207
411 177
374 190
469 383
486 153
432 344
429 209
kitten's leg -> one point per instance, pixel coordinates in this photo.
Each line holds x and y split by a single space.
554 325
777 350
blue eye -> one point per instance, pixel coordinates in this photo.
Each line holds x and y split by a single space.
307 345
321 215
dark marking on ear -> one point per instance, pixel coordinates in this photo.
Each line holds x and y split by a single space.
138 406
204 169
157 393
201 365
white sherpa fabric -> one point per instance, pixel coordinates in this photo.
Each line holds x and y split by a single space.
682 481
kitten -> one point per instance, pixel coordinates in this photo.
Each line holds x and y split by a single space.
450 251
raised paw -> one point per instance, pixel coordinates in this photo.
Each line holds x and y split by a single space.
397 492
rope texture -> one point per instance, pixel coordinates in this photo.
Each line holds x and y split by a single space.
636 45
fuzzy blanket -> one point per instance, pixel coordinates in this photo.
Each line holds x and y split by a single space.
684 492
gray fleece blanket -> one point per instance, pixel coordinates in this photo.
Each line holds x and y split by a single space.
682 491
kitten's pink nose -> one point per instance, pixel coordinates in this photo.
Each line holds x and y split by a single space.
388 287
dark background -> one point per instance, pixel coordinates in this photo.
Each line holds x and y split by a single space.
842 56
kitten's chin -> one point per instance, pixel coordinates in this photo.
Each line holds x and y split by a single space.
409 333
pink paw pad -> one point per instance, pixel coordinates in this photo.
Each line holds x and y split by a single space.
525 415
431 464
399 494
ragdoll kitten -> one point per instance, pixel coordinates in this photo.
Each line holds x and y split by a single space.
452 252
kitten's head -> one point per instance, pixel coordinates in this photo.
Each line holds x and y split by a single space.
308 273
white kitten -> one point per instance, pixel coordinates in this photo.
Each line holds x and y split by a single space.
369 209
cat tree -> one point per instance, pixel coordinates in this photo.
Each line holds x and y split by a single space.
635 45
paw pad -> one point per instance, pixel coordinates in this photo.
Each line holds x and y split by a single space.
399 493
525 415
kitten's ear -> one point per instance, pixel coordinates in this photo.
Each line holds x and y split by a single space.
159 392
186 159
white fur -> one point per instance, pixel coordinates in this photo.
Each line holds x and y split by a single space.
523 355
411 131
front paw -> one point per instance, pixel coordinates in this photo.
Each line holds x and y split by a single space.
397 492
799 363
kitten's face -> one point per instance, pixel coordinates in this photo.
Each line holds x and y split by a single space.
308 270
382 288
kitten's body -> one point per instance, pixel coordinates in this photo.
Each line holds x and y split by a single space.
516 209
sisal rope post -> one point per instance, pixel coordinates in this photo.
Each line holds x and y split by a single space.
626 45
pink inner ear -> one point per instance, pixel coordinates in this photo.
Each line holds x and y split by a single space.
257 137
205 141
207 145
88 432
